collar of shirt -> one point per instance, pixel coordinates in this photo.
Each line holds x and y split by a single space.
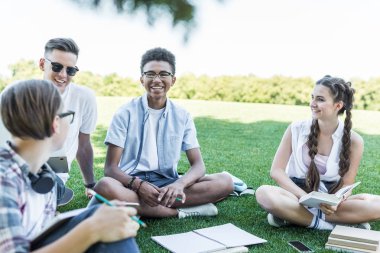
144 104
337 135
24 167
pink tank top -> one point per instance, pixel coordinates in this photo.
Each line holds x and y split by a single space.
320 160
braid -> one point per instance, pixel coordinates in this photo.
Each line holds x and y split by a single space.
312 177
344 157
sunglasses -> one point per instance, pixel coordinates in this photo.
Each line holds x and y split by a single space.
57 67
67 114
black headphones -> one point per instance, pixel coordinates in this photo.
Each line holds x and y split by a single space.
44 181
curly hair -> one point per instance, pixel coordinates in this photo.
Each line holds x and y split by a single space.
158 54
340 91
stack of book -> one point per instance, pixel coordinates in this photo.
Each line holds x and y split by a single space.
349 239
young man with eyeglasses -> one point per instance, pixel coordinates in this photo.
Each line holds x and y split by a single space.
59 66
145 140
28 197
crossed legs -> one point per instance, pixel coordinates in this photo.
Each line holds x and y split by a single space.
208 189
283 204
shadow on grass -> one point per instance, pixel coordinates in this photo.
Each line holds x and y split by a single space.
245 150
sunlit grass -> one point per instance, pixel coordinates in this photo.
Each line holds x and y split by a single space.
242 139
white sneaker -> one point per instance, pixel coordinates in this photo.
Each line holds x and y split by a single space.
276 222
201 210
364 225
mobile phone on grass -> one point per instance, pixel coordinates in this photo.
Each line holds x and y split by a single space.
299 246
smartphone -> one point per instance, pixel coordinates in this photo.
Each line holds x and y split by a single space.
299 246
59 164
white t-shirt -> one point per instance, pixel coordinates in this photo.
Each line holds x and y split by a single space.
82 101
39 210
149 156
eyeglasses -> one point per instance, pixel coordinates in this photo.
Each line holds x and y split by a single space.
57 67
67 114
162 75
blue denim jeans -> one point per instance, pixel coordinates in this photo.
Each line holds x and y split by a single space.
127 245
155 178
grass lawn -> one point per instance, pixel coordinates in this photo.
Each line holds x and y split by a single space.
242 139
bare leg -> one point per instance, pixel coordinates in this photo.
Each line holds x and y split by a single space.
112 189
283 204
357 209
208 189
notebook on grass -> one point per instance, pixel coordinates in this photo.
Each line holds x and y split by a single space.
210 239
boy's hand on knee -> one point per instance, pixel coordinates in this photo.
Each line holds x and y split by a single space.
112 223
149 193
172 193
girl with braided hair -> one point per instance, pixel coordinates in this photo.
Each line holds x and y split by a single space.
321 154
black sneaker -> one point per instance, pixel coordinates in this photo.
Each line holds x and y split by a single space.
67 196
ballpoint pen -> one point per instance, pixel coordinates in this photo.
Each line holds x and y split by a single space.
106 201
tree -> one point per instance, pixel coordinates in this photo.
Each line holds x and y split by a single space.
25 69
181 11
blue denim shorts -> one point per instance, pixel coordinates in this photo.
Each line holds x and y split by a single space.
155 178
300 182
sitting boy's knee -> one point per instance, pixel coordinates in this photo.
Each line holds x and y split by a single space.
226 182
104 184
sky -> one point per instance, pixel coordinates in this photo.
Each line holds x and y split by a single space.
294 38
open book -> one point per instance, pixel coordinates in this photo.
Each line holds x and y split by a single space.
55 223
212 239
314 199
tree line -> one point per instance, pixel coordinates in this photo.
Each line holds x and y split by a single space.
240 88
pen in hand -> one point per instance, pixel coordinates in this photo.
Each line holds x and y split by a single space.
104 200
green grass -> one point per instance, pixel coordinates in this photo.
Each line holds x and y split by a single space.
242 139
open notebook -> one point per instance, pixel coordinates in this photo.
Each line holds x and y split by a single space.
209 239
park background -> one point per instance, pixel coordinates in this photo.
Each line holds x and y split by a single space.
245 71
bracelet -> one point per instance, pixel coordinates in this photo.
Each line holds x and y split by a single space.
138 188
129 186
90 186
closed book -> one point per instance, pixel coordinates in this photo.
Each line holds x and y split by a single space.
356 234
353 244
348 249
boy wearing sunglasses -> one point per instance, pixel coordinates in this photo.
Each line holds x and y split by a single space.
59 66
145 140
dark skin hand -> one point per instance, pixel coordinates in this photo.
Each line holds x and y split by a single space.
149 193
